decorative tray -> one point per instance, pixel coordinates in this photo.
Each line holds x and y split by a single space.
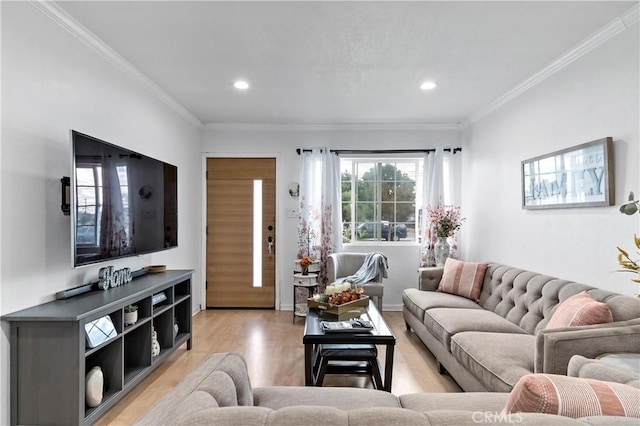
345 311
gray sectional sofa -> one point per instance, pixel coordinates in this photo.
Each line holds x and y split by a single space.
219 392
489 345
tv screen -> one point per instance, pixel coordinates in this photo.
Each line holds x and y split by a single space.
124 203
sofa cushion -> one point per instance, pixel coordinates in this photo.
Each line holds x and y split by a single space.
276 397
446 322
573 397
472 401
462 278
244 416
580 309
417 301
497 360
385 416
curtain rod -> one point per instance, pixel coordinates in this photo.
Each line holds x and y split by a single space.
382 151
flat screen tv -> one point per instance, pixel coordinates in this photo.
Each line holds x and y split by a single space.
123 203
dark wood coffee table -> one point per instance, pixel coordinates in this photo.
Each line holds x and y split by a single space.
315 337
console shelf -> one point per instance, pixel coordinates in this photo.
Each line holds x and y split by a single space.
50 359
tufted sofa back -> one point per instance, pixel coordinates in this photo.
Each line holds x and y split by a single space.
528 299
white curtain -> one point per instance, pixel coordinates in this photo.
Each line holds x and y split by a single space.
115 224
320 221
441 186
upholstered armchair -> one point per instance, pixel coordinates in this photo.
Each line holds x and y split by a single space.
342 265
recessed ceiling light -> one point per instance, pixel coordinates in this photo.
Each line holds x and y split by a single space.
428 85
241 85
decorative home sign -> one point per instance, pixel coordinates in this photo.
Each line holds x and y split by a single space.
109 277
580 176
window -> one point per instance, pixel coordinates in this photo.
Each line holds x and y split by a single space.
89 205
90 202
379 198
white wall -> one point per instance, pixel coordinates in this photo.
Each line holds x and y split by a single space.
282 143
593 97
51 82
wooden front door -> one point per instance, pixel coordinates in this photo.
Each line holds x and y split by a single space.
237 238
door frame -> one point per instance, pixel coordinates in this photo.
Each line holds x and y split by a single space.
279 220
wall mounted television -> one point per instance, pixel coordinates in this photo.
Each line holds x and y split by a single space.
123 203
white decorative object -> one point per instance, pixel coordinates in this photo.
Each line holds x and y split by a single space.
176 329
130 315
155 345
94 387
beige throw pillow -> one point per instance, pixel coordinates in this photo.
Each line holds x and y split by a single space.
580 309
463 278
572 397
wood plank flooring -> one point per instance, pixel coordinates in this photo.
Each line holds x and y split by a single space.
273 348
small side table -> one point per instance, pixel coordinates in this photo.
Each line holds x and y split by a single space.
307 282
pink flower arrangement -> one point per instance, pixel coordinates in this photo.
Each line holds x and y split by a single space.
445 220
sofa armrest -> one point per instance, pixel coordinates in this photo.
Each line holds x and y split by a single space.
599 369
429 278
555 347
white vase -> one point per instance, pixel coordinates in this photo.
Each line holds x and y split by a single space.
94 387
130 318
441 250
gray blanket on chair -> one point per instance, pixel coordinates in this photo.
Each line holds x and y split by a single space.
374 266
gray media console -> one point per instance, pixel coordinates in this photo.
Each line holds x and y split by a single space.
50 358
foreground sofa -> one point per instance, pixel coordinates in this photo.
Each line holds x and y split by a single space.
491 344
219 392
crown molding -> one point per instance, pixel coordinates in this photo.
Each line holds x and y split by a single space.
329 126
612 29
67 22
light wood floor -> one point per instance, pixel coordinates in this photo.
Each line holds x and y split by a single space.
273 348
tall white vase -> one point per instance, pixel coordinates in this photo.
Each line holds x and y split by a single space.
94 387
441 250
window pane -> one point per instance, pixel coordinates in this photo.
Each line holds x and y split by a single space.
387 211
364 212
84 176
366 191
86 196
86 216
346 212
388 192
366 171
407 171
405 191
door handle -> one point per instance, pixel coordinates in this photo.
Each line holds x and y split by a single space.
270 245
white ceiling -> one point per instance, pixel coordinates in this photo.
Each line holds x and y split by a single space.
341 62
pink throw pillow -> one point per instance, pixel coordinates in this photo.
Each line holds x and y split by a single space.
572 397
580 309
462 278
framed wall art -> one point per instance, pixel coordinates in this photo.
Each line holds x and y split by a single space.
580 176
